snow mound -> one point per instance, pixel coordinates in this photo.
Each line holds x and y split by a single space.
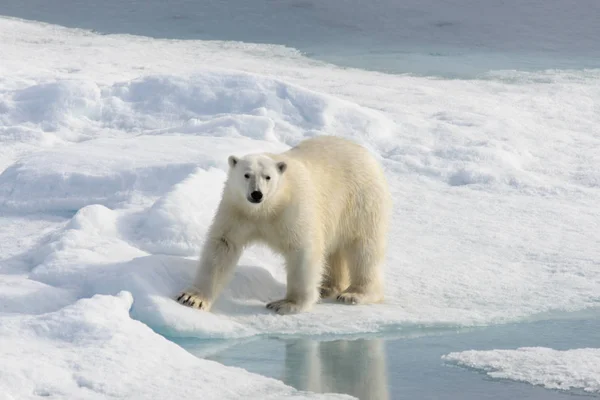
235 104
16 293
210 103
52 106
179 120
552 369
92 349
110 171
177 221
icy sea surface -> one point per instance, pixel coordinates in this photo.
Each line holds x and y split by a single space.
458 38
116 120
409 366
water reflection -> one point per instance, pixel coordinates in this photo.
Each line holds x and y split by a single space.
355 367
402 365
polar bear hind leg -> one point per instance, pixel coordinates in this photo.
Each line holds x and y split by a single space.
365 266
335 276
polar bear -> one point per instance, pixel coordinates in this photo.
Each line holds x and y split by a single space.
324 205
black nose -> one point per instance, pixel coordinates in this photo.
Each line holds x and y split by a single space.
256 195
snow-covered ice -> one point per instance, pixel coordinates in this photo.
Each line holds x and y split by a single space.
553 369
113 155
92 349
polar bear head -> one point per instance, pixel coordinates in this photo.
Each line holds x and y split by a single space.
255 178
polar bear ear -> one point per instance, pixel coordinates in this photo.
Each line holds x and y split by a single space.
281 166
233 160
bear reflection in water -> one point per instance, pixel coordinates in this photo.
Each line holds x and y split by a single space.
354 367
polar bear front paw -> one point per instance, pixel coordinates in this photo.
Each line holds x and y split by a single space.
193 298
284 306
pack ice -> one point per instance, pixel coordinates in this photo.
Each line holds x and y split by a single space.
113 156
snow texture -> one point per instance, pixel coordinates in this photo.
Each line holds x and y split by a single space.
113 156
553 369
92 349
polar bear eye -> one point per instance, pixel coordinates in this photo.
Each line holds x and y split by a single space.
247 176
268 177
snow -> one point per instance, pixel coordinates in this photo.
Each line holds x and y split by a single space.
553 369
92 349
112 159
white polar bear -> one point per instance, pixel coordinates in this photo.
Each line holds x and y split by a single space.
324 205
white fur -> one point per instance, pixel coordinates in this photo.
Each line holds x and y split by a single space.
325 208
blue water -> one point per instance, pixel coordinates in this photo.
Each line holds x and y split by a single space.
388 367
453 38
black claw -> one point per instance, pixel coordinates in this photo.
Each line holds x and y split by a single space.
192 303
180 296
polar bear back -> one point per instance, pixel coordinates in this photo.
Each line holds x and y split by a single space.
346 185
